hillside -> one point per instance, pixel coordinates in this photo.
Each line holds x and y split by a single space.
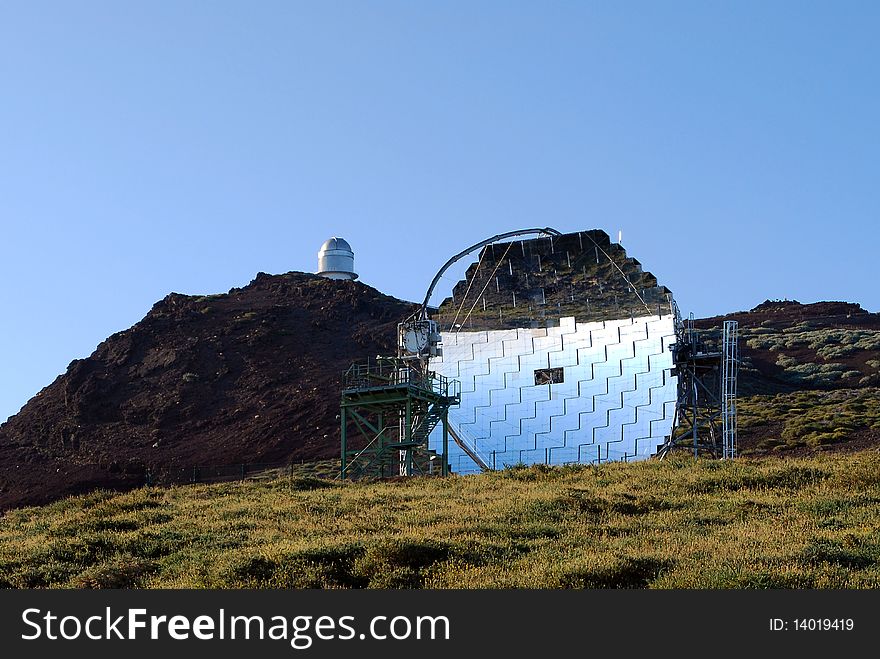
788 346
810 377
676 523
248 376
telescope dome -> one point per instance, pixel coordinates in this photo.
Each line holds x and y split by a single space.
336 259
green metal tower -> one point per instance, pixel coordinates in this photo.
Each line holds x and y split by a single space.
394 405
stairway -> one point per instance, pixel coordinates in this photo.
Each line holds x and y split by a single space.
384 462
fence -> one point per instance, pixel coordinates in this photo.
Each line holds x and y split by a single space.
239 472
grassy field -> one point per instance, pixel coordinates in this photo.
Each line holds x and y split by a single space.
676 523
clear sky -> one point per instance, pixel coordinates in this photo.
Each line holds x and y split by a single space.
157 146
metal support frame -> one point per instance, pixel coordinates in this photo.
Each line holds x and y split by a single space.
706 365
395 389
729 369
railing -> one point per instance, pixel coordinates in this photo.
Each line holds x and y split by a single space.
395 372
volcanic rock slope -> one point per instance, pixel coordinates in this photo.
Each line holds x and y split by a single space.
788 346
251 376
809 377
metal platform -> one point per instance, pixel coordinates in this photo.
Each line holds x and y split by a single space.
393 406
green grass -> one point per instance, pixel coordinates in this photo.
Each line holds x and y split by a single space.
677 523
811 418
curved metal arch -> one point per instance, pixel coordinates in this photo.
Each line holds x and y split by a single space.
421 312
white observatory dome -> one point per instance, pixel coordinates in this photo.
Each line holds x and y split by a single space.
336 259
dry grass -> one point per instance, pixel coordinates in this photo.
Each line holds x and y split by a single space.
678 523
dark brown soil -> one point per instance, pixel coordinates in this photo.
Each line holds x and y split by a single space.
252 376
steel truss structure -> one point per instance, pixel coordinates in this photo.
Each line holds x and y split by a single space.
555 350
706 364
394 405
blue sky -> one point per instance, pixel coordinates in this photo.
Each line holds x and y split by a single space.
150 147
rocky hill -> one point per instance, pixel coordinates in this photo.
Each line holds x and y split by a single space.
245 377
788 346
810 377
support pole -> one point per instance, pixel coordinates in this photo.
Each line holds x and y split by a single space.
380 424
343 464
694 421
445 465
406 454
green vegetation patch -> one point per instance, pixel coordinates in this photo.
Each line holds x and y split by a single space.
812 418
828 343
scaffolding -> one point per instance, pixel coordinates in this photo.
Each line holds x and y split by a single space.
729 364
706 364
393 404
